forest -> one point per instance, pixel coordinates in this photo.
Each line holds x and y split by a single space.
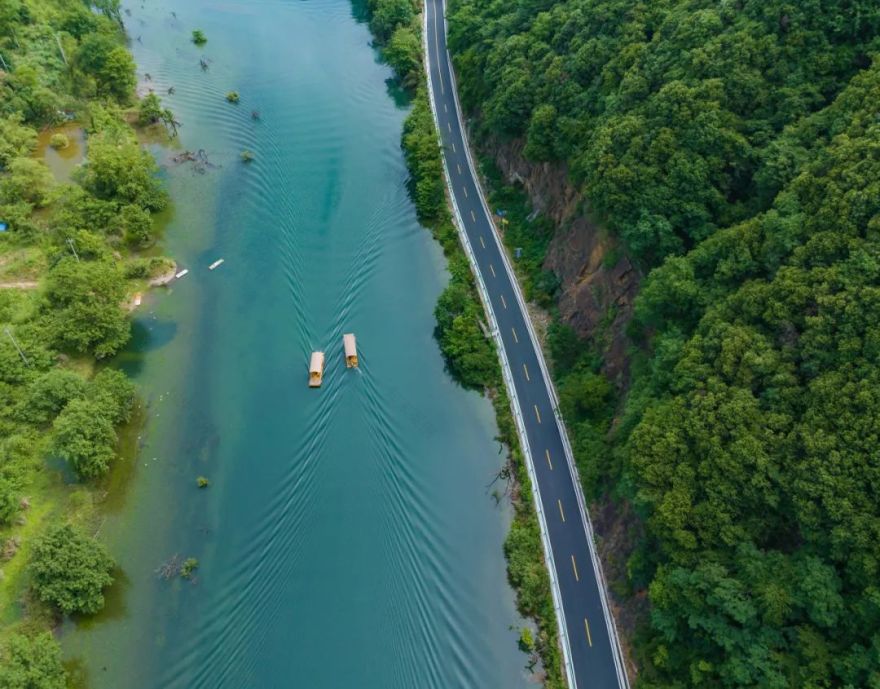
734 149
69 264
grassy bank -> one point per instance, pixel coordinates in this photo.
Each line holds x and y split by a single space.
70 264
470 355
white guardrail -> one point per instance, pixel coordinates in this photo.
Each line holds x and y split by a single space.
617 652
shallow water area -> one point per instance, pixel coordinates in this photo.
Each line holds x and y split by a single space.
348 537
62 161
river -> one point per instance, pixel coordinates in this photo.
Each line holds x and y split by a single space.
348 537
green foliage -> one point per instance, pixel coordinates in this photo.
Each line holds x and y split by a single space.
189 567
70 570
26 180
137 225
9 501
31 662
386 16
109 64
16 139
199 38
525 230
666 111
48 405
59 141
84 437
732 146
423 160
470 355
115 395
149 109
404 53
48 394
202 482
85 301
121 171
233 97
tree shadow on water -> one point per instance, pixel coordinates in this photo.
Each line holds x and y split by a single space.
148 334
114 603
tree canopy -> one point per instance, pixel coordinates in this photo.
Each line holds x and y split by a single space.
70 570
733 147
31 663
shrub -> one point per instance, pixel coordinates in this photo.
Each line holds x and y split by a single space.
70 570
199 38
233 97
31 663
188 568
59 141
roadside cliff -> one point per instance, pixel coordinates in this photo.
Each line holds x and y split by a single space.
598 281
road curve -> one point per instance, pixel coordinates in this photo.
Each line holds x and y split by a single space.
589 641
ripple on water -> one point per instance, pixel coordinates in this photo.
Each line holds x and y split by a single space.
334 546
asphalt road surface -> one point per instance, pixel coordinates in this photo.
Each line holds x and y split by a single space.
591 653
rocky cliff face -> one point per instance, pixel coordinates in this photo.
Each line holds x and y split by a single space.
599 282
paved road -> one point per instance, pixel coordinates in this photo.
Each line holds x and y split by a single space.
591 653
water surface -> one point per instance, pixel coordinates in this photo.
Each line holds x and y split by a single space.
348 537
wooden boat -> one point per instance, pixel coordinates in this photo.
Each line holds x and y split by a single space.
316 370
350 346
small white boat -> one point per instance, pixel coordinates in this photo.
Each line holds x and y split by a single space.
138 299
216 264
316 370
350 346
182 273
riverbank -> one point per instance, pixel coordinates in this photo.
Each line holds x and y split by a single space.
71 260
463 337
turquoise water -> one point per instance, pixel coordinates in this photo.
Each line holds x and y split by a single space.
349 537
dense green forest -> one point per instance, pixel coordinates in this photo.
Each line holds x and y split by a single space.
68 266
734 147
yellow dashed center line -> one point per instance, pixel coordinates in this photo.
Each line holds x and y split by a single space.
515 338
482 243
589 636
561 513
537 413
575 568
503 302
492 268
526 371
547 453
